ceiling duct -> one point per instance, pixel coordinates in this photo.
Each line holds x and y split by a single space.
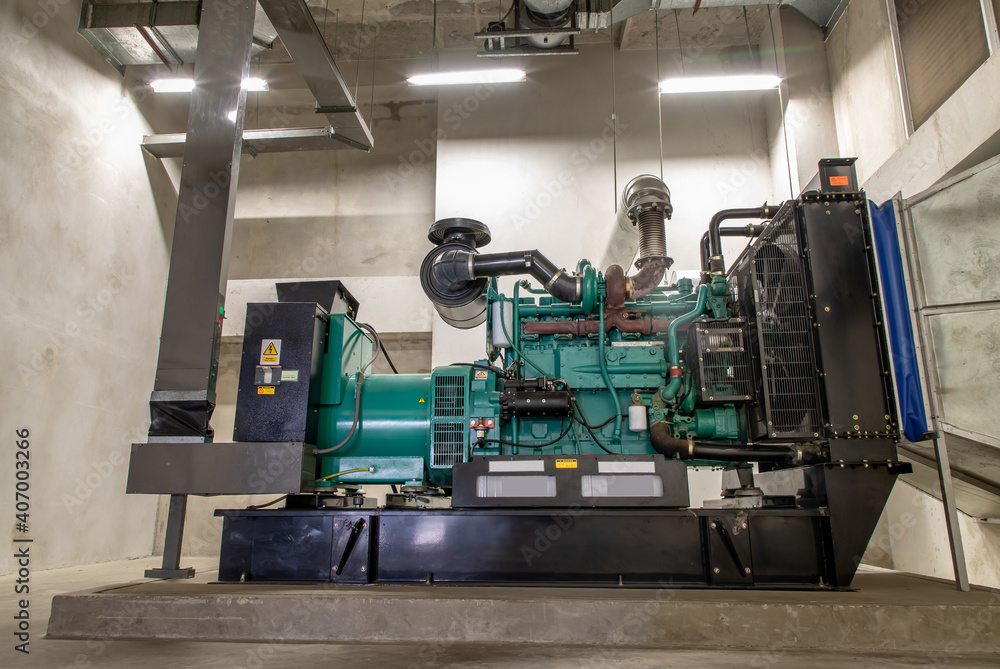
154 33
596 14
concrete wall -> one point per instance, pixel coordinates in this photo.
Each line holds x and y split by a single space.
84 230
801 126
866 94
917 539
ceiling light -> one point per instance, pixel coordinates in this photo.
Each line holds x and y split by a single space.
172 85
254 84
469 77
180 85
742 82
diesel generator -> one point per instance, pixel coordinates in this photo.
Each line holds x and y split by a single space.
561 457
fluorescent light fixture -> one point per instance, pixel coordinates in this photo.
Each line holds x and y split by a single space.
181 85
173 85
468 77
741 82
254 84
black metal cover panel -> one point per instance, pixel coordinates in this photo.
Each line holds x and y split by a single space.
850 340
568 546
331 295
638 481
574 545
280 409
789 549
191 468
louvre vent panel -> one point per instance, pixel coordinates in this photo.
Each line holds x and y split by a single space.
448 445
770 291
449 396
448 428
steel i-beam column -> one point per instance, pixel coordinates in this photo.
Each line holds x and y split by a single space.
184 391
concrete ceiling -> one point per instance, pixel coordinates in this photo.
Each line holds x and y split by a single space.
393 29
384 29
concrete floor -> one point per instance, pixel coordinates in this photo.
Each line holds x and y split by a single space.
165 654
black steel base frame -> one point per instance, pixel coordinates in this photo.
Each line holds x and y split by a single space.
779 547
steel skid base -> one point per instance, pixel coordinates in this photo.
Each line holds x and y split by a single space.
784 547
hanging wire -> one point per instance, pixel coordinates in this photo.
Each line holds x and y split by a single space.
746 105
257 97
781 108
371 102
614 114
326 13
659 102
746 22
680 44
336 31
357 76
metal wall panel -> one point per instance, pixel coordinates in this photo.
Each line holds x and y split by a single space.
958 240
967 348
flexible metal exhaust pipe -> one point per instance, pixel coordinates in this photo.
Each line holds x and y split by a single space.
646 204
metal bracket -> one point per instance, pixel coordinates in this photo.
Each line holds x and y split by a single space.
337 109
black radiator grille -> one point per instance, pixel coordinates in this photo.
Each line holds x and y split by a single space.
769 287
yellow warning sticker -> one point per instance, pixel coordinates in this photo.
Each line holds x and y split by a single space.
269 390
565 463
270 351
421 401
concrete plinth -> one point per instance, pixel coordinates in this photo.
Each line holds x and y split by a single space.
889 612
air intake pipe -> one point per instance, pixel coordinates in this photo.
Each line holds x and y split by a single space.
454 275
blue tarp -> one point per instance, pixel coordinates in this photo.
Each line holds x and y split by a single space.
899 328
